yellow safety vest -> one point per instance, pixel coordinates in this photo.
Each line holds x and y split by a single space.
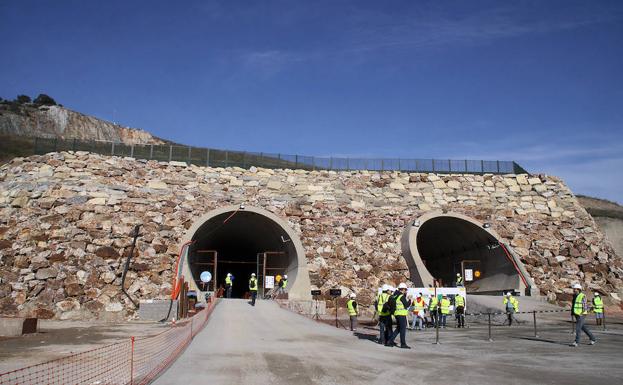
432 306
253 284
459 301
228 281
418 305
380 301
445 306
598 305
285 283
579 307
400 307
514 303
350 307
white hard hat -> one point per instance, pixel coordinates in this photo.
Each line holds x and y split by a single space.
252 274
458 274
385 287
229 274
285 276
597 293
352 295
402 285
508 294
577 286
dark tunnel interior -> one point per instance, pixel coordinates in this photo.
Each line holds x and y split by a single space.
236 238
450 245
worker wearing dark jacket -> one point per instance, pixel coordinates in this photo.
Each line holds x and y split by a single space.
400 305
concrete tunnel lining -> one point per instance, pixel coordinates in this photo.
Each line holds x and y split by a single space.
435 244
247 232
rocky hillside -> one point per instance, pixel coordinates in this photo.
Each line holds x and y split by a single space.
55 121
609 217
66 218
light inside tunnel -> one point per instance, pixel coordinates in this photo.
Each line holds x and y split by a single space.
449 245
241 242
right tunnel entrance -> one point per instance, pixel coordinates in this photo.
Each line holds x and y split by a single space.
438 247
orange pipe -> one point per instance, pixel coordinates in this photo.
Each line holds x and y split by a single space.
177 282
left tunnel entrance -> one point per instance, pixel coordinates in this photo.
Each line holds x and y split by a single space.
241 242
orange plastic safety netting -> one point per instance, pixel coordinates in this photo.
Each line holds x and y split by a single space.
133 361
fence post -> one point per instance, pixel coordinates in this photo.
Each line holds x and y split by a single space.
482 166
313 164
331 163
132 362
112 149
244 158
132 151
465 165
536 335
498 165
603 320
170 152
226 158
189 155
399 168
490 339
382 165
347 164
151 151
449 165
208 158
296 161
73 146
433 161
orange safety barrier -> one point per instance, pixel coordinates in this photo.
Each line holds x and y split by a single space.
135 361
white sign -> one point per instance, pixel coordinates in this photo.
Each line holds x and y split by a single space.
469 275
269 282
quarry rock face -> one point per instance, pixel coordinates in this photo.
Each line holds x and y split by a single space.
66 221
59 122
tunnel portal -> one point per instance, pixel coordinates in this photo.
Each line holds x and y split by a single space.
439 246
241 242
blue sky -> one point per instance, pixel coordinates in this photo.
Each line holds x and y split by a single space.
539 82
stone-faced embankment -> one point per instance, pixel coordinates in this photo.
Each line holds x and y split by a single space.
66 219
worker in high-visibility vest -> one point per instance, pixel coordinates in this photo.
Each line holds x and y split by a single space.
283 283
445 310
432 309
399 305
228 285
351 305
385 318
418 307
511 306
253 288
459 280
459 310
579 309
598 308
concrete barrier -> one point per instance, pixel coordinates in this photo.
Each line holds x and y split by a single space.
11 327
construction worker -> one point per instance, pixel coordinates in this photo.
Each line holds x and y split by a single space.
228 285
399 305
385 318
418 312
283 283
253 288
351 305
598 308
459 280
432 308
511 304
579 310
445 310
459 310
